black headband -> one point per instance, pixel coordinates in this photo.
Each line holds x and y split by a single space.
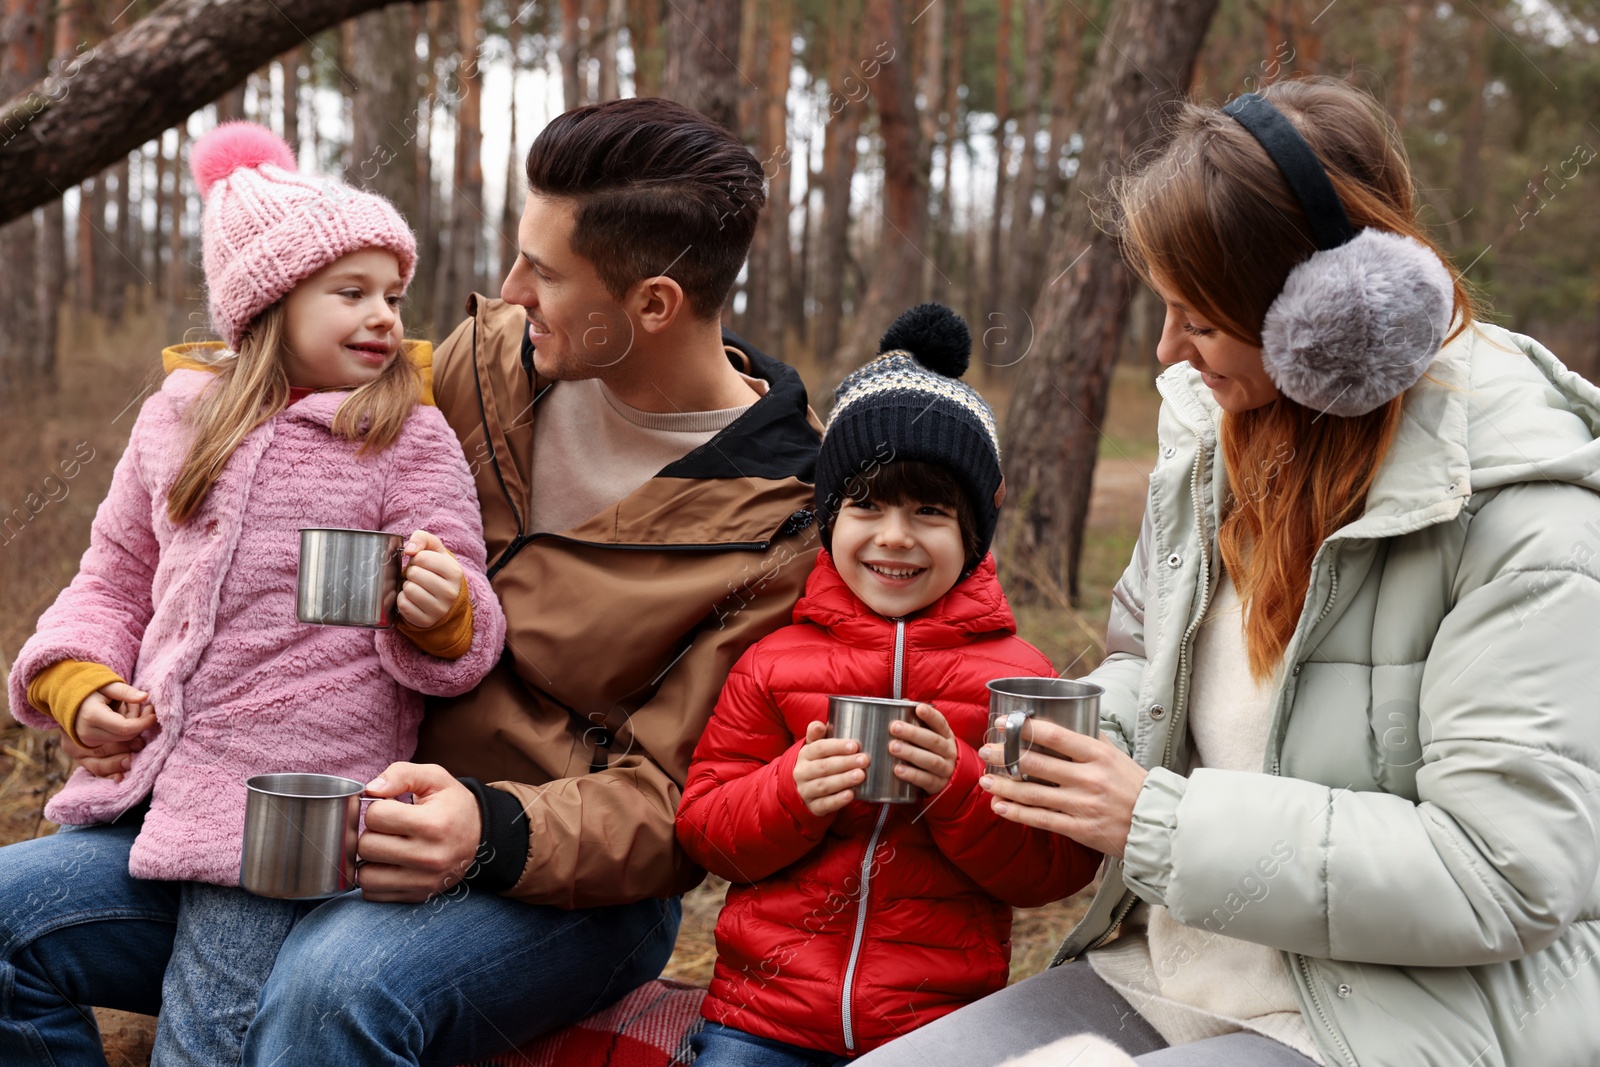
1300 166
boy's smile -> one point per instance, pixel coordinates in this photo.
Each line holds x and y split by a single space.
898 558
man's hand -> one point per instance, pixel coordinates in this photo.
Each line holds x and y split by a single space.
415 851
109 722
432 581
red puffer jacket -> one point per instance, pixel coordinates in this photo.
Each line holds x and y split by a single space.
843 932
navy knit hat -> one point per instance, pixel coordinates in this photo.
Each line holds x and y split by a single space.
907 404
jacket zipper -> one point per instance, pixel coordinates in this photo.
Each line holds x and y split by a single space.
1180 703
1316 1002
848 994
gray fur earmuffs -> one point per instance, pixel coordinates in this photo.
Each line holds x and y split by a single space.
1357 323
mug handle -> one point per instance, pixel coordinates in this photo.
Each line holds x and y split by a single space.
1013 744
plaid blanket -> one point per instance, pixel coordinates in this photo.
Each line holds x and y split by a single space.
649 1027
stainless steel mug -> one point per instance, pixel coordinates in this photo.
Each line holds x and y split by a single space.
865 720
300 835
1013 701
349 577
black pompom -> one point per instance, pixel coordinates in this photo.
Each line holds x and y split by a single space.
933 333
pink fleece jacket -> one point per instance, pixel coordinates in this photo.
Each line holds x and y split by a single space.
202 617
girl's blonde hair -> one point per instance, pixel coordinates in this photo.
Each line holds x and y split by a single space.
1212 220
251 387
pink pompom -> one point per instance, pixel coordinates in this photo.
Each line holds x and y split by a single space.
233 145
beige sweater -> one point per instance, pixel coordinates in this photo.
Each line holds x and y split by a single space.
1187 982
591 450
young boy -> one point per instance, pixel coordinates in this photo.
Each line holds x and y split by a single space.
849 923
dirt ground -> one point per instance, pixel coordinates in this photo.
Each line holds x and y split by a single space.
102 385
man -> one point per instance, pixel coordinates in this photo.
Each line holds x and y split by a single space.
643 479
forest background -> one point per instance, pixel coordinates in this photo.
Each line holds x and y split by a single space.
952 150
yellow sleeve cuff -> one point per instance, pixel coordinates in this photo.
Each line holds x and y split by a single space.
61 688
451 636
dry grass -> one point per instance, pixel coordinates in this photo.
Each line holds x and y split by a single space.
104 375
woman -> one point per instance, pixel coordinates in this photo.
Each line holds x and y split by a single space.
1347 785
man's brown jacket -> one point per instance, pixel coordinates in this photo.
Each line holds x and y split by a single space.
620 631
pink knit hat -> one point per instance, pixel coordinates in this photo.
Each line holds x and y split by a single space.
268 227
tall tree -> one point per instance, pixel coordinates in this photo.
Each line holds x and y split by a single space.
945 239
1071 21
52 278
23 362
702 41
177 248
572 93
845 111
1002 147
1053 422
289 64
1013 268
460 275
383 107
511 205
897 273
769 256
644 37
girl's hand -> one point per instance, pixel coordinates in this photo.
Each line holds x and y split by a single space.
926 755
432 580
100 724
828 770
1093 802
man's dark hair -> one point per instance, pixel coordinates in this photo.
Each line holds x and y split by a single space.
911 481
659 189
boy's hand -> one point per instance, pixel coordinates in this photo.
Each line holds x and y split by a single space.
925 755
431 581
828 770
101 722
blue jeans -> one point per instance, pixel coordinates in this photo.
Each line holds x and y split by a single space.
461 977
226 943
724 1046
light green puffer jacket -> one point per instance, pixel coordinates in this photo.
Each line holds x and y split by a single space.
1423 844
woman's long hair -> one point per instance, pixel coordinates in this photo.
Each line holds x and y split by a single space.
1211 219
251 387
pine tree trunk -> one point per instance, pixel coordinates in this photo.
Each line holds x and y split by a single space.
289 63
384 107
779 169
644 34
177 260
571 83
839 137
1014 265
425 284
52 280
24 361
1053 422
1063 91
511 205
466 193
702 41
930 81
118 246
612 14
897 275
1002 149
1400 101
945 239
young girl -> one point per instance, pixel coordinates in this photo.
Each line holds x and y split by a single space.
849 923
180 626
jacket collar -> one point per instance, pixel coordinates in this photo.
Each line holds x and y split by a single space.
766 450
1425 478
975 607
189 368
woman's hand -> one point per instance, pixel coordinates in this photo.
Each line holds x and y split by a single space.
1093 801
925 755
432 581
